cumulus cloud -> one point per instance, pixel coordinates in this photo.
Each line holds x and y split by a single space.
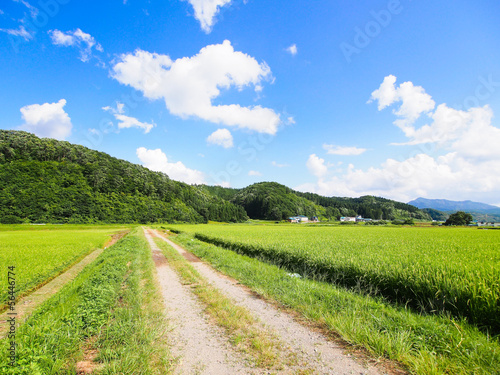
316 166
414 101
454 156
292 49
342 150
125 122
221 137
206 10
190 84
77 38
449 176
254 173
157 161
47 120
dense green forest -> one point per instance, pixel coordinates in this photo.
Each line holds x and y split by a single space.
45 180
273 201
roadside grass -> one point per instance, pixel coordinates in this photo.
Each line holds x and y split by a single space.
39 255
422 344
262 347
97 306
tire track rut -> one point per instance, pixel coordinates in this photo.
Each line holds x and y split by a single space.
199 347
314 351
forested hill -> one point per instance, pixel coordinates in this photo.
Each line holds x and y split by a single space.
273 201
45 180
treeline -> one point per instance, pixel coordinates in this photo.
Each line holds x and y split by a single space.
45 180
273 201
367 206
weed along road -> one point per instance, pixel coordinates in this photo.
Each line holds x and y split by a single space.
220 327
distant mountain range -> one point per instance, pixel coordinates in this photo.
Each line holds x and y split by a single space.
480 211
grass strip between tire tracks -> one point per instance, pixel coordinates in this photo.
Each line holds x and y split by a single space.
244 331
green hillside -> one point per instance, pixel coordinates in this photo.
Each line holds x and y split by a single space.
45 180
273 201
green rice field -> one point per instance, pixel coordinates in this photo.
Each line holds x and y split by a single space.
38 253
450 271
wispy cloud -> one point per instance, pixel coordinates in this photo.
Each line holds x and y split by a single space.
278 165
344 151
77 38
125 122
21 32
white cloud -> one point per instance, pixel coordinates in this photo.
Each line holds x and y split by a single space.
316 166
254 173
449 176
456 156
21 32
83 41
414 101
221 137
125 122
344 151
157 161
206 10
292 49
188 85
47 120
278 165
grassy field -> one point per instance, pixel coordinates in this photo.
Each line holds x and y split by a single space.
455 271
38 253
420 343
109 320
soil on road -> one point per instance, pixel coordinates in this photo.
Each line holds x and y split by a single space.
202 347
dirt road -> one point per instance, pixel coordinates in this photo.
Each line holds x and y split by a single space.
202 348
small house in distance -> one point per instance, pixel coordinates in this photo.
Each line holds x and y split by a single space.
298 219
348 218
355 219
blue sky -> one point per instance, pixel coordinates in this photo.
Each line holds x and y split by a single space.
398 99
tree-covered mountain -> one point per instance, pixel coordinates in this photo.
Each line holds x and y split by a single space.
45 180
436 214
273 201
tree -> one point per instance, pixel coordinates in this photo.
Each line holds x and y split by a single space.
459 218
